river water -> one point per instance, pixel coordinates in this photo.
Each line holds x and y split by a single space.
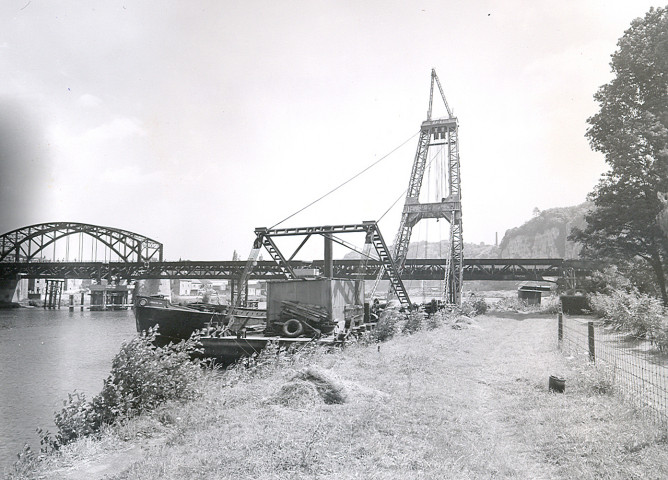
46 354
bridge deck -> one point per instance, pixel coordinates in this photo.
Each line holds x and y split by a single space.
414 269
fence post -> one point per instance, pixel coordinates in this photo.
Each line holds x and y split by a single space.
592 350
560 328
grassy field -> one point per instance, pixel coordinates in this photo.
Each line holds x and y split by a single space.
459 403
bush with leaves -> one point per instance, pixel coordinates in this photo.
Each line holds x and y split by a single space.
512 304
630 311
78 418
414 322
548 304
474 306
142 377
660 338
608 280
388 325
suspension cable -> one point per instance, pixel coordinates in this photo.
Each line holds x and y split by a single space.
404 192
347 181
392 206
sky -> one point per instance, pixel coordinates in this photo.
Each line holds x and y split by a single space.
195 122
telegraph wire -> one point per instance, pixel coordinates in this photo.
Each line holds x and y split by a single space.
347 181
404 192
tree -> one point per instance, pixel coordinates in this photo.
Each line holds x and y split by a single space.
631 130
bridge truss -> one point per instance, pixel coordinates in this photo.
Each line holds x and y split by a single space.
30 243
414 269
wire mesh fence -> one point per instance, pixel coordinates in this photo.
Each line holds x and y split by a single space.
633 366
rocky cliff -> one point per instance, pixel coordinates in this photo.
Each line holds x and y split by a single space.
545 235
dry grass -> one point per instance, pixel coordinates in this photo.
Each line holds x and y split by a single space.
445 403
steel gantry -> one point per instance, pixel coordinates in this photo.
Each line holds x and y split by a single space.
440 133
265 238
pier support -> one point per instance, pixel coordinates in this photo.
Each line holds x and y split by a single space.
329 263
8 290
53 293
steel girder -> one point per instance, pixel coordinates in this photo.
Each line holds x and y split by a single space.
369 228
26 243
414 269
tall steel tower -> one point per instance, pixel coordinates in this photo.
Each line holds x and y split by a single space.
439 133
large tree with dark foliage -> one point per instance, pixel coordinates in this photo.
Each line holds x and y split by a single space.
631 130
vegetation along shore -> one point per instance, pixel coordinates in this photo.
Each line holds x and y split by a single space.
450 396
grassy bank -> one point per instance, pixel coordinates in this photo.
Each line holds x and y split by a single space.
459 403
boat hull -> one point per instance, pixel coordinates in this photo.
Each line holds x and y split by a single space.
176 323
172 323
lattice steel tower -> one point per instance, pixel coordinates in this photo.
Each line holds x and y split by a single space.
440 133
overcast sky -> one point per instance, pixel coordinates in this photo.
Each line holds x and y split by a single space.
193 122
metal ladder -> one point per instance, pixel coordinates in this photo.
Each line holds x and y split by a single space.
390 268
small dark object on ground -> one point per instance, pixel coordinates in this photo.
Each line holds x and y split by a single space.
557 384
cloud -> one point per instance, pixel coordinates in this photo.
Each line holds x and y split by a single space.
118 128
89 101
107 147
130 176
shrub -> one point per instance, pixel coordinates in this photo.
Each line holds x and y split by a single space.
142 377
608 280
387 326
511 304
660 338
514 304
414 322
474 306
637 313
436 320
78 418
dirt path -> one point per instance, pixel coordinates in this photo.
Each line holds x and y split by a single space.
516 359
498 367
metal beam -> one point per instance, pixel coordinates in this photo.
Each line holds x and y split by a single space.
414 269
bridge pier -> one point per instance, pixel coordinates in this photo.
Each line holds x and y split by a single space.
53 294
8 291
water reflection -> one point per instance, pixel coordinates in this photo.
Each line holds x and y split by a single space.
44 355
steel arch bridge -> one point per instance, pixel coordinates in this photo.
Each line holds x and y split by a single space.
29 243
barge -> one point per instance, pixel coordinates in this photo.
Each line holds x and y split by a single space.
179 322
299 311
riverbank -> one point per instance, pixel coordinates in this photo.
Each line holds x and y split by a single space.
9 305
466 402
